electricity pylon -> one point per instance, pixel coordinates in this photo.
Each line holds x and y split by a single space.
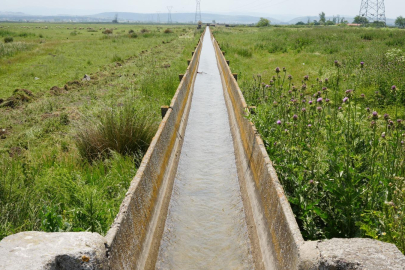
373 10
169 15
198 12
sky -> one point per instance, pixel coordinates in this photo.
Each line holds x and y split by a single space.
292 8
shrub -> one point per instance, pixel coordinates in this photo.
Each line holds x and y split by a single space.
8 39
134 35
144 31
131 31
107 31
263 22
123 130
168 31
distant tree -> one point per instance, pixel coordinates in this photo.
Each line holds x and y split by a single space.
400 22
322 18
300 23
214 22
263 22
329 22
316 22
360 20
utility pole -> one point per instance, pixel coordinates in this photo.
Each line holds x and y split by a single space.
198 11
169 15
157 17
373 11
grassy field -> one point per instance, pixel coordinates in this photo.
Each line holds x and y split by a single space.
58 172
331 109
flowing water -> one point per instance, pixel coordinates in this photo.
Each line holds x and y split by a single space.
206 226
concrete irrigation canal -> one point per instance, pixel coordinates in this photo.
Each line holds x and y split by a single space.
205 196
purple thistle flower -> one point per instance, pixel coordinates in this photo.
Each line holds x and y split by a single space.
319 100
386 116
277 70
303 110
361 64
345 99
310 102
327 100
311 181
362 95
393 88
309 125
284 69
340 108
290 77
372 124
295 117
324 88
275 143
326 80
306 78
275 103
383 135
319 109
267 86
278 122
375 115
402 142
304 86
368 109
271 82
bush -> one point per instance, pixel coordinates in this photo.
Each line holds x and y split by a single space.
8 39
263 22
133 35
123 130
168 31
108 31
144 31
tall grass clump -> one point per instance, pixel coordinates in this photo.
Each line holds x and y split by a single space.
341 160
124 130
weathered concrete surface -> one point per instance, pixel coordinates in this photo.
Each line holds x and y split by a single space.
52 251
358 253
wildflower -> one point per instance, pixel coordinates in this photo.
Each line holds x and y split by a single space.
274 78
310 102
326 80
294 88
368 109
386 116
290 92
319 100
337 64
349 92
286 130
324 89
267 86
304 86
275 103
383 135
271 82
361 64
372 124
319 109
306 78
362 96
383 233
290 77
278 122
309 125
393 88
303 110
345 99
311 181
375 115
295 117
277 70
327 100
340 108
317 79
284 69
319 93
402 142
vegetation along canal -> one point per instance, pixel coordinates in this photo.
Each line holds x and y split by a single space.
206 226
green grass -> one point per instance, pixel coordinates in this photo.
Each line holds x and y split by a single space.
341 165
45 182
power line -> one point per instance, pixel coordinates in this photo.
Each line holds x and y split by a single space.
169 15
198 11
